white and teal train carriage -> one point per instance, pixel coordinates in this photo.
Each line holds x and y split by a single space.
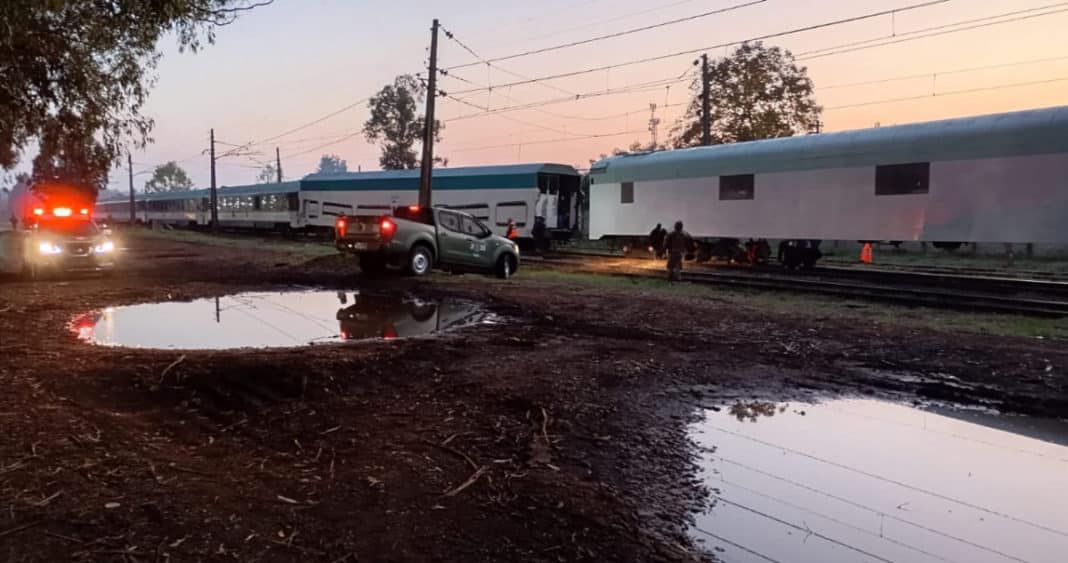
990 179
495 194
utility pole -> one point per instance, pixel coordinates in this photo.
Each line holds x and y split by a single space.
133 212
214 192
706 104
428 129
654 123
278 163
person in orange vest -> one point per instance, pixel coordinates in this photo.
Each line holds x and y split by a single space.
866 253
511 233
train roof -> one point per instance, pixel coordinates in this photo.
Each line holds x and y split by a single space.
464 177
225 191
1040 131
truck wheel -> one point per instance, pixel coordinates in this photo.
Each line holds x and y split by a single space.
420 261
505 266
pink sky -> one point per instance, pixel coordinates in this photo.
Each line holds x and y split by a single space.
295 61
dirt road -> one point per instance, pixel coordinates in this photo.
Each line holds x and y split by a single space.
557 436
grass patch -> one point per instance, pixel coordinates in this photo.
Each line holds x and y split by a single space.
819 307
308 248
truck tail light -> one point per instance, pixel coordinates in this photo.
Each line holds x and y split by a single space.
342 227
387 227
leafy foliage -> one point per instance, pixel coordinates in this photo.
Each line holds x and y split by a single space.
268 175
396 124
757 92
332 164
168 178
77 74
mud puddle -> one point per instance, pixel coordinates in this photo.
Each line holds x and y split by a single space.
274 319
863 480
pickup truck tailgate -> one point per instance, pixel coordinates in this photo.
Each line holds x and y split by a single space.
363 232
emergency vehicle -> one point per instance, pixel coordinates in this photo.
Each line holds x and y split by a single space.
57 234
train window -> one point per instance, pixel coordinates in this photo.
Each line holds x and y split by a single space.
903 179
626 192
740 186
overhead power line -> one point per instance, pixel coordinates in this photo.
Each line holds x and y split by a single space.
640 87
613 35
314 122
586 25
481 59
949 93
324 145
935 31
766 36
943 73
549 141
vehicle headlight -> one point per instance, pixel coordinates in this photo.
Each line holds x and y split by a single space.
49 248
106 246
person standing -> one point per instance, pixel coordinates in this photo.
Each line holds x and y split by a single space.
540 234
678 243
656 240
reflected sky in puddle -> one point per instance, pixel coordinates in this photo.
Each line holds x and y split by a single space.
274 319
861 480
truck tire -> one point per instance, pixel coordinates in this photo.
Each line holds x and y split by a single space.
420 260
505 267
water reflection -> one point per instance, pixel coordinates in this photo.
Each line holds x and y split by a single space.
263 320
859 480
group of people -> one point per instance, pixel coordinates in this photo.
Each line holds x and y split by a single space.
676 244
539 232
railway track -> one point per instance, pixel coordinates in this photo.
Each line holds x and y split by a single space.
963 293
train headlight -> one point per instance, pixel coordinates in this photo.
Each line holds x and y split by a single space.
106 246
49 248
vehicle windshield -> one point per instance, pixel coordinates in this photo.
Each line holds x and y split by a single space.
69 228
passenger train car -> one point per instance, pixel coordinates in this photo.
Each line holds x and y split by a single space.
495 194
996 178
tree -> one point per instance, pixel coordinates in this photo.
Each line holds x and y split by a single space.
636 146
332 164
268 175
168 178
396 124
77 75
757 92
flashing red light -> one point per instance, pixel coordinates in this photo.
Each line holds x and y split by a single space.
413 208
389 333
61 212
85 211
387 226
342 227
38 211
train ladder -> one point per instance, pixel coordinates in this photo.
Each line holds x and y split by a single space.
866 253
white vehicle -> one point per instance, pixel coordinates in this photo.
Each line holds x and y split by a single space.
493 194
989 179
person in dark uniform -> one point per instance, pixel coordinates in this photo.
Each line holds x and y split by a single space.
656 240
678 244
540 234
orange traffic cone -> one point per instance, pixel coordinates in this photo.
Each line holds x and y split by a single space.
865 253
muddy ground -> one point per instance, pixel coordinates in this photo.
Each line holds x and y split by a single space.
559 436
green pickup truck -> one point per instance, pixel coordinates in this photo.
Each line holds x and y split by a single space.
418 239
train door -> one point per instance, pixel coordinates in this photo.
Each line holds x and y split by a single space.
548 199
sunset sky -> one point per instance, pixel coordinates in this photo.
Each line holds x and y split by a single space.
297 60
